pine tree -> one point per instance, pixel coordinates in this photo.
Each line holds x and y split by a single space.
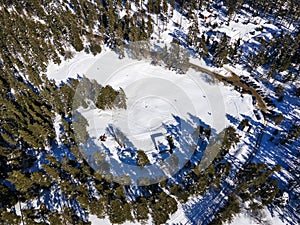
142 159
141 210
149 26
9 217
21 182
98 207
165 7
116 206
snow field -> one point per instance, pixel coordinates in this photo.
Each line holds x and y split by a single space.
159 102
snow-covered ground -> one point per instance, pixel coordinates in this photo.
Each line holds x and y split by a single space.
160 102
96 221
265 218
70 68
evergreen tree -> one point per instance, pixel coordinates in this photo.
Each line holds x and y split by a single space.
141 210
142 159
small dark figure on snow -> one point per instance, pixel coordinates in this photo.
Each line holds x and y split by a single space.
103 137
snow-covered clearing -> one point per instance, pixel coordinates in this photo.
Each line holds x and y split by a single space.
70 68
264 218
156 97
159 103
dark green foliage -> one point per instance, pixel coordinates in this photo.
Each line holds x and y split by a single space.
120 194
109 98
95 48
279 90
77 43
294 132
179 192
256 182
142 159
243 124
119 212
141 210
192 36
9 217
278 118
27 117
278 55
207 132
54 218
68 216
201 47
221 52
106 98
162 208
7 196
230 138
170 142
98 207
226 214
21 181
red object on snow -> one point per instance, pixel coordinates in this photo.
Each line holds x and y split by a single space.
103 138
